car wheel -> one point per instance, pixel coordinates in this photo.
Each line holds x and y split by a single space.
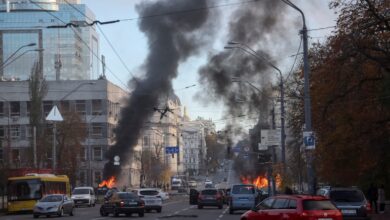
36 216
47 216
61 212
116 213
147 210
71 212
200 207
231 211
220 207
159 210
141 214
103 213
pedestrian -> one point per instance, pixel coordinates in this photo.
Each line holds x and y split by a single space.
381 198
372 195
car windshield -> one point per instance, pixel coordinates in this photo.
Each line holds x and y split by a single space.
52 198
318 205
148 192
176 182
80 191
346 196
127 196
209 192
243 189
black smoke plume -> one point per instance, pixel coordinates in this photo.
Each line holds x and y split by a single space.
171 40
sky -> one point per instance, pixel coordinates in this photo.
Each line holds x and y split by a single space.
131 45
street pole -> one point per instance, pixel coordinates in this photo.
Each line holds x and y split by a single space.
307 101
54 160
35 147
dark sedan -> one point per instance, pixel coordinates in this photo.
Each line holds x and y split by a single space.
210 197
123 203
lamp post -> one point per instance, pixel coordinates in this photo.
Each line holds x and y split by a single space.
8 62
307 101
13 54
247 49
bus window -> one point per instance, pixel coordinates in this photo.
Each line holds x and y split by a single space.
54 187
24 190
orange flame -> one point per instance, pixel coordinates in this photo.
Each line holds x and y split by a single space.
261 181
108 183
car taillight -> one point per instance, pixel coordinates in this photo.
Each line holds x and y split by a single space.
122 203
219 196
141 203
368 207
200 197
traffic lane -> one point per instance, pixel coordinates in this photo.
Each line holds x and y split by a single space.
82 213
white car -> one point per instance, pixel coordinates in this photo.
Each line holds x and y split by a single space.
84 196
164 195
192 184
151 197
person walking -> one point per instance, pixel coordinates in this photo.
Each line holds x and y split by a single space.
381 198
372 195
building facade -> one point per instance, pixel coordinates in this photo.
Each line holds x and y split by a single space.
97 103
64 53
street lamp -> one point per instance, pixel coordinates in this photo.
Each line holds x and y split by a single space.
247 49
306 73
8 62
16 51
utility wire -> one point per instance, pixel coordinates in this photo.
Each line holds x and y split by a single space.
85 43
105 37
295 60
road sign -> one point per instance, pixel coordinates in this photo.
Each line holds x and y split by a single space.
309 140
270 137
172 150
54 115
246 149
262 146
236 149
117 160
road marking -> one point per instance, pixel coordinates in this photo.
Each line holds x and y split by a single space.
223 213
99 218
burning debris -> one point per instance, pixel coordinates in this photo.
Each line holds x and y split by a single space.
261 181
109 183
171 40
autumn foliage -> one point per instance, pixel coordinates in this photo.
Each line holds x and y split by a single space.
350 90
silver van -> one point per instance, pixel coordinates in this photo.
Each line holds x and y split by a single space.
84 196
242 197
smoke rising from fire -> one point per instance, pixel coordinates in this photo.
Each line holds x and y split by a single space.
171 40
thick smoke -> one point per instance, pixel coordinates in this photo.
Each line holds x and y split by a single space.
262 26
171 40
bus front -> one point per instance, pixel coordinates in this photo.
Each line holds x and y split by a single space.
23 194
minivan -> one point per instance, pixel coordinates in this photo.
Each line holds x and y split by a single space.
84 196
242 197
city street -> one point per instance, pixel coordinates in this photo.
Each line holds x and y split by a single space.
178 208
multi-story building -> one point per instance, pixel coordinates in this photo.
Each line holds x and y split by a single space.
64 53
97 103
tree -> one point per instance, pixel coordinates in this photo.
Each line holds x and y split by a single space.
350 108
215 151
37 90
71 132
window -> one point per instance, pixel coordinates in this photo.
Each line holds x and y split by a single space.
97 130
83 154
266 204
2 132
280 204
98 177
15 131
29 131
80 107
292 204
96 107
65 106
146 141
47 106
28 108
1 109
15 108
97 153
82 178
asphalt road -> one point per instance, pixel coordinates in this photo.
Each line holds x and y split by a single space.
176 208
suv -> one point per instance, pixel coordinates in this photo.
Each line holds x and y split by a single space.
151 197
350 201
84 196
242 197
294 207
210 197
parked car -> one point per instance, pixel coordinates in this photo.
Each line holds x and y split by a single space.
123 203
53 204
164 195
242 197
192 184
151 197
294 207
194 194
210 197
84 196
350 200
